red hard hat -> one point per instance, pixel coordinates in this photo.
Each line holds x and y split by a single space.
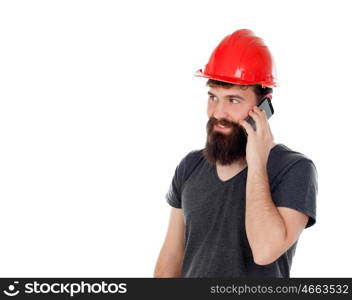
241 58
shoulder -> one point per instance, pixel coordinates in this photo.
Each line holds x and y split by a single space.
191 157
186 166
283 159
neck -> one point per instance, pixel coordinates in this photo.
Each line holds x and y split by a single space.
239 163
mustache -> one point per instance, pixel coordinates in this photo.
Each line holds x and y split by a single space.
213 121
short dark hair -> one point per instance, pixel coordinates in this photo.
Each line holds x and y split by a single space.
257 88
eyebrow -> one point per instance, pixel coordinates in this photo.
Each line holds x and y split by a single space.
228 96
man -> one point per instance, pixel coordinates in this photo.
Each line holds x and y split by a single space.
240 204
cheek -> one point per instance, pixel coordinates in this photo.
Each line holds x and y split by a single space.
244 111
240 113
210 110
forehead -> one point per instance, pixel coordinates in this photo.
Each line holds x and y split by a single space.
236 89
245 93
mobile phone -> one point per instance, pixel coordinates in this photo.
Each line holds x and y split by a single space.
266 105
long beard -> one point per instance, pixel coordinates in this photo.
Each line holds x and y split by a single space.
225 148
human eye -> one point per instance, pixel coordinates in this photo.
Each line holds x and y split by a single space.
234 101
211 98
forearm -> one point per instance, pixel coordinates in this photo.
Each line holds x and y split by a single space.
265 227
168 267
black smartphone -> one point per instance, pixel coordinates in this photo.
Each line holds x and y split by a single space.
266 105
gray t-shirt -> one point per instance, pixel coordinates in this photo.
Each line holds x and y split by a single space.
216 243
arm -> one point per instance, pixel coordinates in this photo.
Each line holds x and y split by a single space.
270 230
170 259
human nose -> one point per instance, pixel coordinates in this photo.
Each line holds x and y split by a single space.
220 111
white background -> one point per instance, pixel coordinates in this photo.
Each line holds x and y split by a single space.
99 104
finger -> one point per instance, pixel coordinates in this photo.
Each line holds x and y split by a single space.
269 128
248 127
262 115
257 119
271 134
261 112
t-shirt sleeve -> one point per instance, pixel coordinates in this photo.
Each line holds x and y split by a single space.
173 196
298 189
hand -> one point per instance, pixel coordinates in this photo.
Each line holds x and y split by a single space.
259 141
